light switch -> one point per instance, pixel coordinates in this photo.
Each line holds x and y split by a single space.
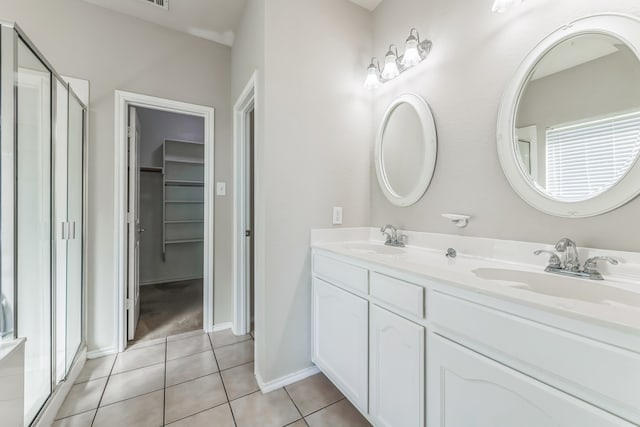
221 189
337 215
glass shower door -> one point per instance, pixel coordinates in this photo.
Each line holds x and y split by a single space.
33 225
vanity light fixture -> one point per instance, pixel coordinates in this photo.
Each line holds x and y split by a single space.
501 6
373 75
391 70
412 56
416 51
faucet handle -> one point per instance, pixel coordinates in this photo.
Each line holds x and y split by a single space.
591 264
554 259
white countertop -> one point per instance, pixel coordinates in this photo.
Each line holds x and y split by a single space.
614 302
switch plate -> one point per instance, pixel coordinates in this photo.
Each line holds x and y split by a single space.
337 215
221 189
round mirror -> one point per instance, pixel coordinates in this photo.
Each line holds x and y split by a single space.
569 126
406 148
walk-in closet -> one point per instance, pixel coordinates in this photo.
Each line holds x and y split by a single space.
171 210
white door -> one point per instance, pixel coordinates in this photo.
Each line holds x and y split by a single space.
396 366
133 227
466 389
340 349
248 220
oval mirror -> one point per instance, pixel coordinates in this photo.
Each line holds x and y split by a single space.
569 127
406 149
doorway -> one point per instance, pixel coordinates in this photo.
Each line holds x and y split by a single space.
169 199
164 181
244 210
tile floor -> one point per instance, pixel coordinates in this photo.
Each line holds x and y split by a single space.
197 379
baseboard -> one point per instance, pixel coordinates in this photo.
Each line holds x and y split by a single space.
266 387
94 354
222 327
55 401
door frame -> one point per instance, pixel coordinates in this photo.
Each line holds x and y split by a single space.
241 292
123 100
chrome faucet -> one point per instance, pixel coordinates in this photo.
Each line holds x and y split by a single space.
568 248
569 265
392 238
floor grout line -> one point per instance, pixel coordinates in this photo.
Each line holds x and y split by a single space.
233 417
199 412
188 355
294 404
131 398
233 343
103 391
69 416
244 395
324 407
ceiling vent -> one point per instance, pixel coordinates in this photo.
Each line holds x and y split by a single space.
164 4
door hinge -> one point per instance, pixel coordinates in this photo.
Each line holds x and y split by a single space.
129 132
129 304
247 233
130 217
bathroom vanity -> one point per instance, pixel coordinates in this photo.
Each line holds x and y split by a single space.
414 338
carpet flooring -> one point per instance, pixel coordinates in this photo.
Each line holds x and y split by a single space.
169 309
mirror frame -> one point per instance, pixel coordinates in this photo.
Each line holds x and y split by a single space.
430 141
626 28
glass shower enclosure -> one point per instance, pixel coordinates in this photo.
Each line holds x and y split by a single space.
42 141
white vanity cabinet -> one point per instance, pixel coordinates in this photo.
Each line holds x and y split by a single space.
437 355
364 343
340 327
467 389
397 360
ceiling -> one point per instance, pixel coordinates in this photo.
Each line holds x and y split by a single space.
367 4
214 20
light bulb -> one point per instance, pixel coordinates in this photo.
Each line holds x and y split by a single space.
411 56
501 6
390 70
373 79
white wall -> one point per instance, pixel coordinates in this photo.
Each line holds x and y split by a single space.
475 54
115 51
247 58
179 261
315 156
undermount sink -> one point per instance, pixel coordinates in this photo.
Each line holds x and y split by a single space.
560 287
374 248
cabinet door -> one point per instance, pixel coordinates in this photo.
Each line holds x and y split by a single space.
340 323
466 389
396 389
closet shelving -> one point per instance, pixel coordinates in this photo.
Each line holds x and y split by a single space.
183 193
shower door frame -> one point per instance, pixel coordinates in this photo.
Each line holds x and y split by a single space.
10 37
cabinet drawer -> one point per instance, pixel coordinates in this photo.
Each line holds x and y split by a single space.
341 273
399 294
607 376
